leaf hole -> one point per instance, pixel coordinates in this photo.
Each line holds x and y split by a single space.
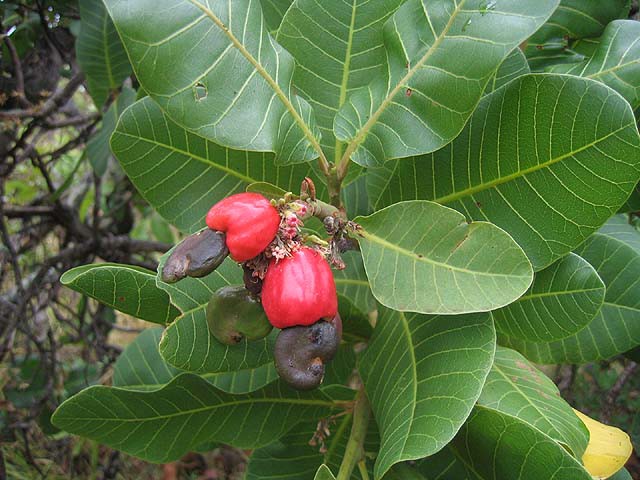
200 91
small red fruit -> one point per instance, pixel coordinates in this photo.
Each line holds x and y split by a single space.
250 222
299 290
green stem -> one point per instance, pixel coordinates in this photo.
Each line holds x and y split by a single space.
334 185
355 446
362 468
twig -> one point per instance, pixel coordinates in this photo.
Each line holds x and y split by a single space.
17 71
28 211
54 102
27 452
614 393
567 377
6 239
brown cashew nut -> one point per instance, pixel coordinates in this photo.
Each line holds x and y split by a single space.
196 256
302 352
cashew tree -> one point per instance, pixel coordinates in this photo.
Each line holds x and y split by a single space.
427 199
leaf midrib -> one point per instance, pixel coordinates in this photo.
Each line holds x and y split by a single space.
497 368
345 73
373 119
558 293
193 411
414 375
148 387
192 155
521 173
107 59
264 74
613 69
424 259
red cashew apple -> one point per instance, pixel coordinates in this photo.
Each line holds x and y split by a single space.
249 221
299 290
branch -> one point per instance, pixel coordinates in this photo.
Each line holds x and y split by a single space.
28 211
614 393
55 101
17 71
130 245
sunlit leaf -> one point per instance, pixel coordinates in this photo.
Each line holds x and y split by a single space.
563 298
216 70
126 288
324 473
423 374
514 66
615 62
423 257
338 47
162 425
187 343
182 174
548 158
573 20
615 254
492 445
140 367
441 55
517 388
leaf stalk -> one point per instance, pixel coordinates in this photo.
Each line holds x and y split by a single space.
354 452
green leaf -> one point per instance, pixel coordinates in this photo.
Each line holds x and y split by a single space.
182 174
140 367
293 458
514 66
621 475
633 202
216 70
573 20
563 298
352 282
98 146
517 388
404 471
441 55
100 53
355 323
356 198
126 288
423 375
266 189
423 257
284 461
615 254
324 473
338 47
187 343
162 425
493 445
548 158
615 62
274 11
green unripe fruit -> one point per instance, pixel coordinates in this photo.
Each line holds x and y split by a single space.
233 315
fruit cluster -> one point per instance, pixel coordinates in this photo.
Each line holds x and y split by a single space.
288 284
